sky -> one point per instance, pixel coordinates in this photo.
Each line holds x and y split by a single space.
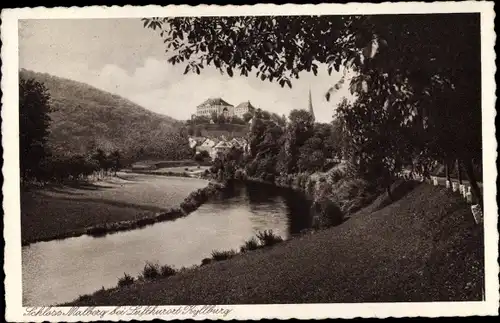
122 57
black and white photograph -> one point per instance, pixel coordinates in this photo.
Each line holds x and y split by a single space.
167 164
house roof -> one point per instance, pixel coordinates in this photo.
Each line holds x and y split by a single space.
223 144
215 101
239 141
209 142
246 104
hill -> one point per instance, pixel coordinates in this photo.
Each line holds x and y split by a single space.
218 130
85 117
423 247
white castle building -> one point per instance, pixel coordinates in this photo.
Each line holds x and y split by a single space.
221 107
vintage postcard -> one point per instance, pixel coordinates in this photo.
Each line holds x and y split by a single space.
248 162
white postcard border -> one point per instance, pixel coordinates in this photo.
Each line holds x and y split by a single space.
11 186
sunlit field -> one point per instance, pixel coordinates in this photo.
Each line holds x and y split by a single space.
58 209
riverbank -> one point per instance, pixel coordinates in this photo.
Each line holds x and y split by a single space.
423 247
334 195
126 202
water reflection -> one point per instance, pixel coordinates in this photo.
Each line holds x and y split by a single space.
59 271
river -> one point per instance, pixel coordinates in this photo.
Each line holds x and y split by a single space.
59 271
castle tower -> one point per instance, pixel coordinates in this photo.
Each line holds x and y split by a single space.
310 108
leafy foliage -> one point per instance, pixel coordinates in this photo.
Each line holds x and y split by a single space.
167 271
276 48
251 244
417 75
268 238
151 271
223 255
126 280
34 121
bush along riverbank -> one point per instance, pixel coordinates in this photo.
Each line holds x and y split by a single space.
190 203
334 195
154 271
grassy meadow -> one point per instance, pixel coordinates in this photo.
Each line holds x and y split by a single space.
56 210
423 247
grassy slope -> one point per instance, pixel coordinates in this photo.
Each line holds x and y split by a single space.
227 130
53 211
423 247
83 114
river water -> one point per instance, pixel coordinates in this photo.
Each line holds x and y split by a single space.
59 271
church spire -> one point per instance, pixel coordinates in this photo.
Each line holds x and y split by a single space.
311 111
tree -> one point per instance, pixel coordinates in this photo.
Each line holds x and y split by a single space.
276 47
390 55
214 117
265 140
221 119
311 156
299 130
100 157
34 122
247 116
115 160
237 120
200 120
280 121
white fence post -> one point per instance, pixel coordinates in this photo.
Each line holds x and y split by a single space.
462 190
477 212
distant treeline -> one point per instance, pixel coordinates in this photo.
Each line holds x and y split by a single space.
42 158
278 149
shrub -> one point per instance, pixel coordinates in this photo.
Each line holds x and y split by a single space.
268 238
251 244
151 271
167 271
186 169
223 255
97 231
126 280
206 261
84 298
145 221
327 213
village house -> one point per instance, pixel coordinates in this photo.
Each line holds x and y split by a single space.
222 147
214 146
195 141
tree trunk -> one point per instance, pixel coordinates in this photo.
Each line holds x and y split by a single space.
447 171
425 173
459 172
389 193
473 182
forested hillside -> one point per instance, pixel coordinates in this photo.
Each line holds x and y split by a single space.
84 118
